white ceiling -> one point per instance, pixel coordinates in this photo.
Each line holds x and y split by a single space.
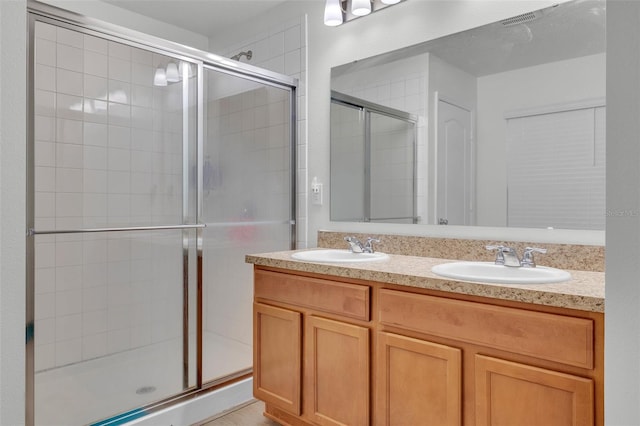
206 17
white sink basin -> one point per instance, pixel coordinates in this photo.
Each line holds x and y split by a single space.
338 256
489 272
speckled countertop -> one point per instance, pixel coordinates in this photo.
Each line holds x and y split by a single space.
585 290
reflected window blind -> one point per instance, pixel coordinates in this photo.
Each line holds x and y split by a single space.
556 170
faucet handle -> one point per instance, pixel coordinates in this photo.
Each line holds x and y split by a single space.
499 253
527 257
368 246
355 245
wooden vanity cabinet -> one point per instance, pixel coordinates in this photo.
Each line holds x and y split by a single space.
328 352
312 349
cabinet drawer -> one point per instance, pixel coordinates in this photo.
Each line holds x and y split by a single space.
350 300
552 337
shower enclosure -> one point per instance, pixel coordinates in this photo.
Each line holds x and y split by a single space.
152 170
373 162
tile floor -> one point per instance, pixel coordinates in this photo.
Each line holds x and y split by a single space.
249 415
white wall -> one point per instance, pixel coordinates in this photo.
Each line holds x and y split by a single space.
552 84
13 78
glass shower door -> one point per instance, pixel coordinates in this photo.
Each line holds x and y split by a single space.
113 244
247 202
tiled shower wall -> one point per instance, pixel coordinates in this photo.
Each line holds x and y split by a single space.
283 49
108 152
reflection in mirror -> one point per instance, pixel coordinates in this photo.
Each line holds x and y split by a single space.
373 162
509 124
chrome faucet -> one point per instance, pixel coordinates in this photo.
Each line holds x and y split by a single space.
357 247
508 256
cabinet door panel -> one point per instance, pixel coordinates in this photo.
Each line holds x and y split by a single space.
276 356
336 372
418 382
509 393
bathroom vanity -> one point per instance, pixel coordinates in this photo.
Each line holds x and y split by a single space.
391 343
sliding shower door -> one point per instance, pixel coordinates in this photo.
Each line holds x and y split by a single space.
113 224
153 170
247 207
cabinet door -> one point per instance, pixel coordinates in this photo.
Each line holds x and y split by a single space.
417 382
509 393
277 347
336 372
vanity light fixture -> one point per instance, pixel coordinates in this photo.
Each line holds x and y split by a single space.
160 77
336 12
172 73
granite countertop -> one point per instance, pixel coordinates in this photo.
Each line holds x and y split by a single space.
584 291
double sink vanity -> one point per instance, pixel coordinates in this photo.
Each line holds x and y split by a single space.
345 338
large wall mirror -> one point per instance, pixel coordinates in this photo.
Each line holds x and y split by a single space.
501 125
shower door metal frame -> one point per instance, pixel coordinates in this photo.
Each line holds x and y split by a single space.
65 19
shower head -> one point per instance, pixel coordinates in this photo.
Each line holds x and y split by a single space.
248 54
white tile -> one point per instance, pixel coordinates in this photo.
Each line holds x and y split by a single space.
94 274
119 250
94 346
45 52
68 302
96 64
95 87
292 62
141 56
45 356
70 156
45 280
95 157
94 205
46 31
95 111
69 132
96 44
119 50
45 179
141 166
45 306
118 205
119 114
119 92
68 352
119 137
119 69
68 326
69 37
141 206
120 161
70 107
68 277
95 134
118 341
69 82
95 299
95 183
68 204
45 77
95 251
70 58
69 180
118 182
141 96
141 117
292 38
45 331
44 128
276 44
45 205
142 74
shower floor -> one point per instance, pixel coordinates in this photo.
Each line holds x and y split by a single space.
97 389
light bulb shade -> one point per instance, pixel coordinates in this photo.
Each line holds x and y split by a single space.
172 73
185 66
332 13
390 1
160 77
360 7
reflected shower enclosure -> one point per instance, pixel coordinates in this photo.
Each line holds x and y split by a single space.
373 162
144 199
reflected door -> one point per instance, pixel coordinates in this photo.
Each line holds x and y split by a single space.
454 167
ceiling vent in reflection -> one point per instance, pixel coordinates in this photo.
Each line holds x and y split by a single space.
521 19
